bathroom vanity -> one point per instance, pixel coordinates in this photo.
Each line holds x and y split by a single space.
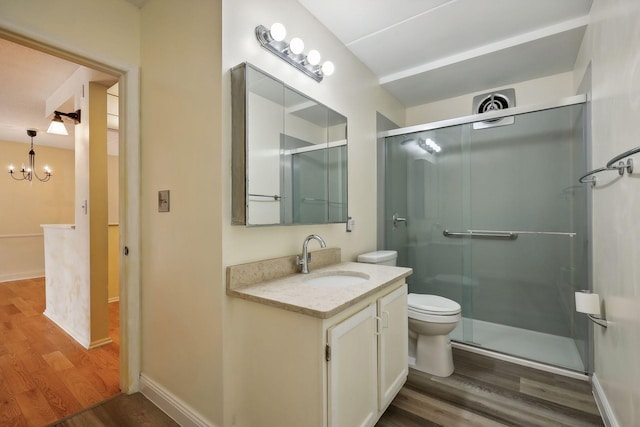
308 352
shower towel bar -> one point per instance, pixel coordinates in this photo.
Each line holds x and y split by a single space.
620 167
622 156
502 235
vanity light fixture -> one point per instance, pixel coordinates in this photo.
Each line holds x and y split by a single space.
57 126
30 171
273 39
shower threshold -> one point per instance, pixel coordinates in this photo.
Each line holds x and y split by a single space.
536 349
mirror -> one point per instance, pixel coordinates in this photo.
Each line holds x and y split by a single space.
289 154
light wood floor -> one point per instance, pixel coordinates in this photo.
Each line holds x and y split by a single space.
487 392
44 374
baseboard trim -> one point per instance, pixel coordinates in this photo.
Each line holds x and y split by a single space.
606 411
99 343
181 413
83 342
25 275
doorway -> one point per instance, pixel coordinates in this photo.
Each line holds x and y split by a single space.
36 390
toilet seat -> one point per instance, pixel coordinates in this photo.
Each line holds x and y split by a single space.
433 308
432 304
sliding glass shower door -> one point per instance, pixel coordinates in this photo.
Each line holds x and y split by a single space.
494 218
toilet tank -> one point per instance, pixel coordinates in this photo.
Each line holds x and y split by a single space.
379 257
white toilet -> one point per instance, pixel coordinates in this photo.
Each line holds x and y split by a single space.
431 319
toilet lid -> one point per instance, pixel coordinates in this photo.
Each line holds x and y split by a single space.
432 304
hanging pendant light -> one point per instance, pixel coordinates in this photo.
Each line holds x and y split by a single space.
27 173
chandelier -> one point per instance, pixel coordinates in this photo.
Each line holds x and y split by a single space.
27 174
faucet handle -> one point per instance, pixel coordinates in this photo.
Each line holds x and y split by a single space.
299 260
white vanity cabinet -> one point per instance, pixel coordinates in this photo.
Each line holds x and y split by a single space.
367 363
293 369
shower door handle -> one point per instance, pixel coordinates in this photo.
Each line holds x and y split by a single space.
504 235
397 219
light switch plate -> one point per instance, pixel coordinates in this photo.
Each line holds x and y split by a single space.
163 201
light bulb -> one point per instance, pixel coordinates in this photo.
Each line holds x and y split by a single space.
328 68
46 169
278 31
313 57
296 46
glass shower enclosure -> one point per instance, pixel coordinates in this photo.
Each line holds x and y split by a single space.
492 216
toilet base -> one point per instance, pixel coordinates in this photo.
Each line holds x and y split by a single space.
433 355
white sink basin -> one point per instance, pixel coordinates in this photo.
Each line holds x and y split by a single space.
335 279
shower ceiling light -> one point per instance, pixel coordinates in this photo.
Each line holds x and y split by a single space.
429 146
293 53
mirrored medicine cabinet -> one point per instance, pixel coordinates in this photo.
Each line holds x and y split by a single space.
289 154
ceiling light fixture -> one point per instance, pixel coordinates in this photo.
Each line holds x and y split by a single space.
57 126
293 52
30 171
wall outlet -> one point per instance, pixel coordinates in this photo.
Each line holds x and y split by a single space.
351 224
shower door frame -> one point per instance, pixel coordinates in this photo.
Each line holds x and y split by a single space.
498 114
384 222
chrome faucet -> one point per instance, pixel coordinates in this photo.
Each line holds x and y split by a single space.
303 260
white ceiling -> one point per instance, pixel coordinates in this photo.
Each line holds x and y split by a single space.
427 50
420 50
27 78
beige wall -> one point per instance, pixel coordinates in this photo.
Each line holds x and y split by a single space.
182 277
113 263
113 189
529 92
27 205
114 229
611 44
352 91
96 30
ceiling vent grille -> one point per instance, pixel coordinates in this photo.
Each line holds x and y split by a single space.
494 101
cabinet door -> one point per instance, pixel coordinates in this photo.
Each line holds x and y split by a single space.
392 345
352 371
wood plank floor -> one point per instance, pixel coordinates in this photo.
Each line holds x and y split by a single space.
487 392
44 374
133 410
482 392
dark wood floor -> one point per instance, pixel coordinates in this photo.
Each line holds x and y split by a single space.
44 374
487 392
133 410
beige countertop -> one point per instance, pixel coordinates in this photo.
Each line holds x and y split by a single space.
293 293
